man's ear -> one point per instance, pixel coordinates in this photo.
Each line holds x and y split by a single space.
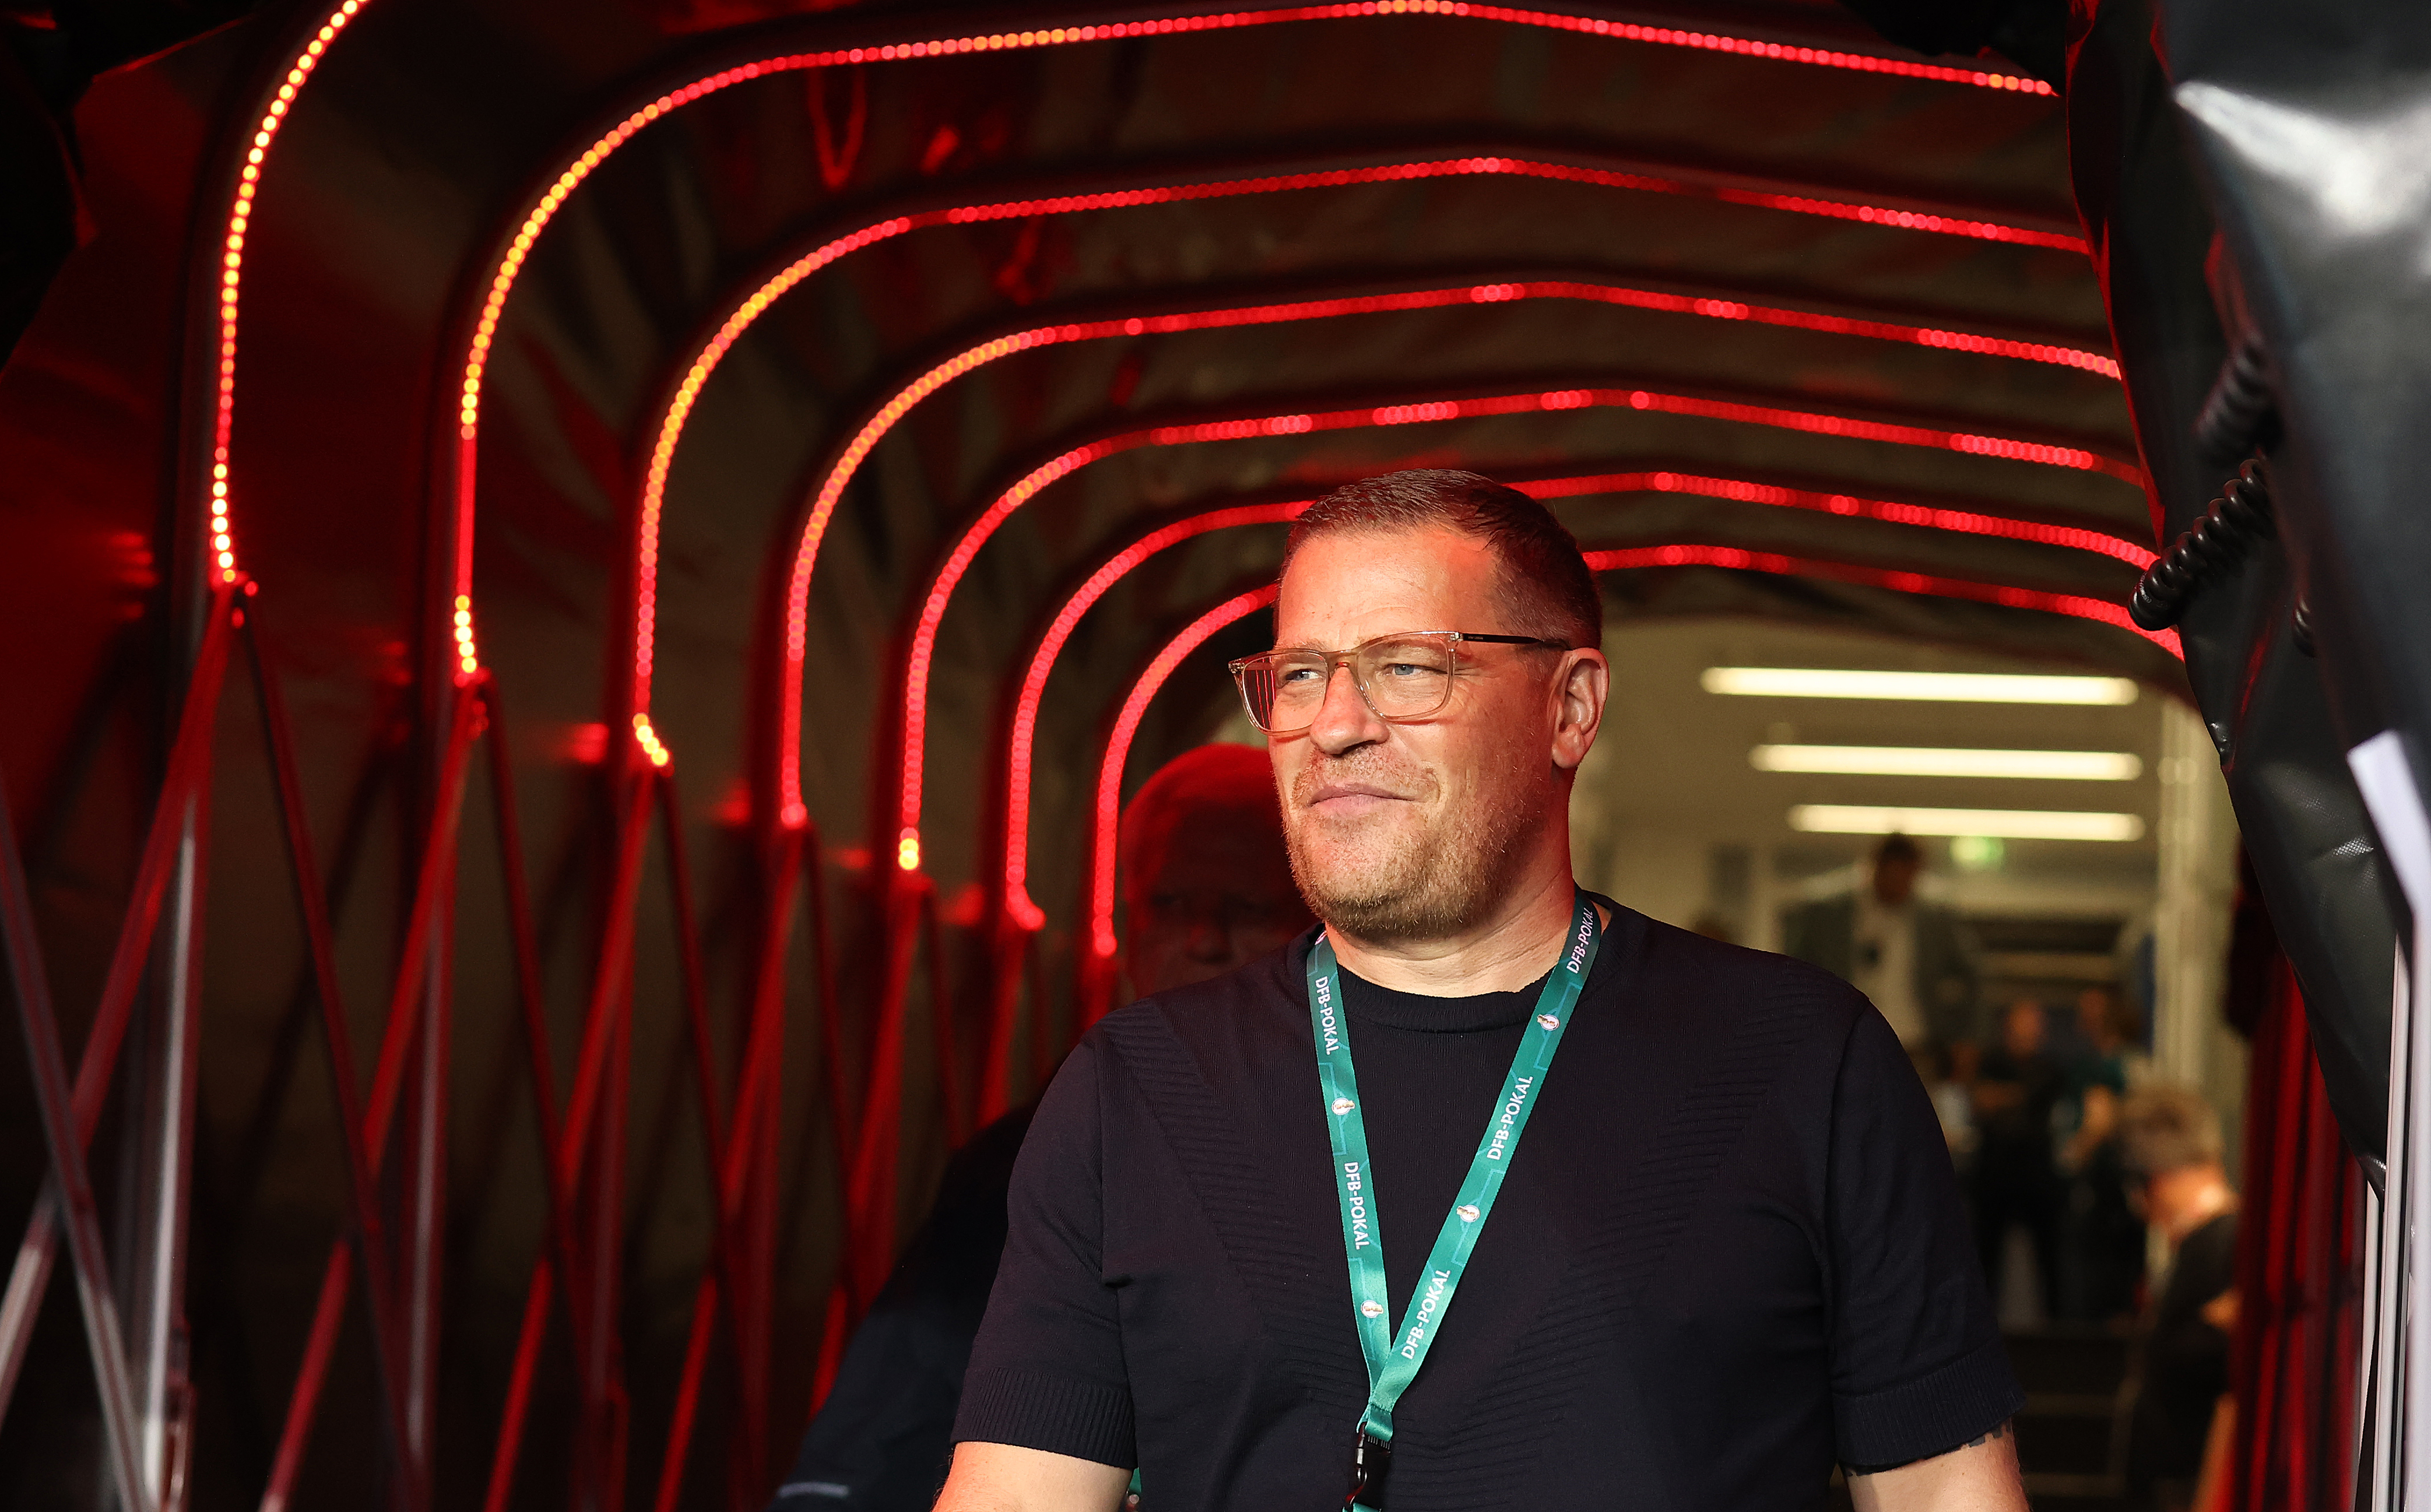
1579 692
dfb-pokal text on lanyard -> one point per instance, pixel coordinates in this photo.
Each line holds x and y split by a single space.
1394 1360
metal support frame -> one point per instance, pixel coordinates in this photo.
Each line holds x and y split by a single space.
2393 1470
398 1039
157 1196
368 1242
188 770
70 1184
731 1153
147 1408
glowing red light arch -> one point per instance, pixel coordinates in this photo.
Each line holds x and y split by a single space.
221 532
681 402
1108 808
1021 743
221 528
1119 748
912 731
857 451
579 167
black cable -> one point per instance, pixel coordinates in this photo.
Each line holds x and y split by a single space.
2239 517
2241 414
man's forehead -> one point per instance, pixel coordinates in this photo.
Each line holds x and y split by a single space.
1345 586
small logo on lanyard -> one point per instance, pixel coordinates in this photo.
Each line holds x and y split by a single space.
1371 1308
1548 1021
1343 1105
1467 1212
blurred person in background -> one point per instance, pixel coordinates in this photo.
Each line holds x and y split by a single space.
1206 887
1953 1102
2170 1144
2018 1086
2104 1237
1915 959
1206 882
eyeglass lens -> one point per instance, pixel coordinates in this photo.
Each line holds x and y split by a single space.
1406 678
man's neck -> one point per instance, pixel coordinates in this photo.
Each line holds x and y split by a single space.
2190 1198
1511 946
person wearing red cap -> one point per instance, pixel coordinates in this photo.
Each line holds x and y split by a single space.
1206 887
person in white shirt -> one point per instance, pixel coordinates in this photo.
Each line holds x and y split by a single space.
1915 959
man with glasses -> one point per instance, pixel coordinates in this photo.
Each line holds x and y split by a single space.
1572 1209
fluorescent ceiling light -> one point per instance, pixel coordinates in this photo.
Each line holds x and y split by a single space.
1933 761
2007 824
1948 687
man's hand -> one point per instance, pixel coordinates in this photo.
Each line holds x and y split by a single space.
1978 1476
1001 1478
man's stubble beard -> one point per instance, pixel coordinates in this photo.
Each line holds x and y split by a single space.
1431 885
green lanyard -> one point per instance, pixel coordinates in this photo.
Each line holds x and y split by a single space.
1392 1367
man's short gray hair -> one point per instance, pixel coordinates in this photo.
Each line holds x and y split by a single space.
2162 1129
1545 584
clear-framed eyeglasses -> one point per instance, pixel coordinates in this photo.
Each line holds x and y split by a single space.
1403 676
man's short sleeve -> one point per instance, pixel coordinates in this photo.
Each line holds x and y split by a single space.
1047 1372
1917 1367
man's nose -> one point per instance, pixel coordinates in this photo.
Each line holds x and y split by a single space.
1210 938
1343 721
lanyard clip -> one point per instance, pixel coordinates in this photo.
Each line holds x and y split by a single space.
1371 1458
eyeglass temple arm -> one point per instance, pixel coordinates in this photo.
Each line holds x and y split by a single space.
1515 640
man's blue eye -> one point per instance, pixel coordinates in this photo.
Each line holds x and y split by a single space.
1295 674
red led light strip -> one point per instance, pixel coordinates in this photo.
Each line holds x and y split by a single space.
687 395
1041 663
1135 707
1964 522
222 529
1021 747
1549 20
2076 606
518 251
857 451
913 750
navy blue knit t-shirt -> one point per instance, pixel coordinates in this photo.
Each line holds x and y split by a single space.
1729 1253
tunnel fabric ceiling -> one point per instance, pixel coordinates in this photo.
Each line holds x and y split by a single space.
425 120
430 127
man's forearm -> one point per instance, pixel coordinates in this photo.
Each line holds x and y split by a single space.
1004 1478
1978 1476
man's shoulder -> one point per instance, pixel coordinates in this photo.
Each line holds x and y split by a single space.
1740 978
1712 1002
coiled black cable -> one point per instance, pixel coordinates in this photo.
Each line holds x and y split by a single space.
2239 517
2242 413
